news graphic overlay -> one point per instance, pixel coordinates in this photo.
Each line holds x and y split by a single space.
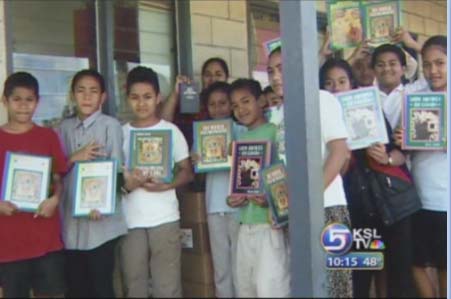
338 239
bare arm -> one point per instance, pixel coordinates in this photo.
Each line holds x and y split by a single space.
47 207
170 105
338 155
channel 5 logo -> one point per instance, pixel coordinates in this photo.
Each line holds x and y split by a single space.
336 238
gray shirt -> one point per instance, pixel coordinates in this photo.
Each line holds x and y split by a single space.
82 233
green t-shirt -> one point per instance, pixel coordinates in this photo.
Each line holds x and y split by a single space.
253 213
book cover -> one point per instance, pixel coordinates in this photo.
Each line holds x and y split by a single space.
381 20
276 186
424 121
345 24
211 142
151 151
248 159
189 98
363 117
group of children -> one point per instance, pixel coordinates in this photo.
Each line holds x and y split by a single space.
251 258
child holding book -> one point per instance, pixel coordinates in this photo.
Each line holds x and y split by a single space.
222 220
430 176
262 266
90 241
31 255
151 207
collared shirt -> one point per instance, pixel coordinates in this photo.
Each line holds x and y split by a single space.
82 233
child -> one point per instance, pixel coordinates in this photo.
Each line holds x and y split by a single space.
335 154
262 266
151 207
31 252
90 242
222 220
430 176
272 98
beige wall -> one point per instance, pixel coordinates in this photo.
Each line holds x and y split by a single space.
2 59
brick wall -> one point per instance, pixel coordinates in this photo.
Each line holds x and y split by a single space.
219 28
2 60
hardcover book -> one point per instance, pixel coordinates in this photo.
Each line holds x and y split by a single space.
151 151
26 180
345 23
381 20
363 117
424 121
275 183
211 142
248 159
189 98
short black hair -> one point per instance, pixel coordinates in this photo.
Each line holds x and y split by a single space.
142 74
21 79
388 48
251 85
335 63
276 50
436 40
88 73
268 89
218 60
217 86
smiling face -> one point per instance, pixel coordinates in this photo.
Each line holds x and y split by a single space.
434 68
88 96
21 105
275 74
246 108
337 80
213 73
143 101
388 71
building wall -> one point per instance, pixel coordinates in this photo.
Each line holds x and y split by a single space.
2 59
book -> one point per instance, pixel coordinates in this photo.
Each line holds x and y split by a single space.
95 187
248 159
363 117
26 180
276 186
381 20
212 139
189 98
424 121
151 151
345 24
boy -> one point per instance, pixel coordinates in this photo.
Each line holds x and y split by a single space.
262 266
151 207
31 251
335 153
90 241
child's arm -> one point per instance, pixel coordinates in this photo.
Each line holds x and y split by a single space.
170 105
47 208
7 208
338 155
90 151
183 176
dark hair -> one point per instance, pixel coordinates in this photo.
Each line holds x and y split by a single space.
250 85
218 86
275 51
388 48
21 79
336 63
88 73
436 40
142 74
218 60
268 89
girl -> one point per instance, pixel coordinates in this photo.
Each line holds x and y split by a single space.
430 174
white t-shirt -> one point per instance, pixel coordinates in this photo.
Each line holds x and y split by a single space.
149 209
332 128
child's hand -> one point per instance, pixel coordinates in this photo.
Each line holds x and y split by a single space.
155 185
133 179
180 79
401 35
398 136
259 200
362 51
236 201
95 215
7 208
47 208
195 157
325 47
377 152
89 152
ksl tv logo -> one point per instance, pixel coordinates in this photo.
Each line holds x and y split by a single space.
338 239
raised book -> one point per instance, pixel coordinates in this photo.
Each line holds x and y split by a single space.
424 121
151 152
276 186
95 187
381 20
345 24
189 98
363 117
212 139
248 159
26 180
